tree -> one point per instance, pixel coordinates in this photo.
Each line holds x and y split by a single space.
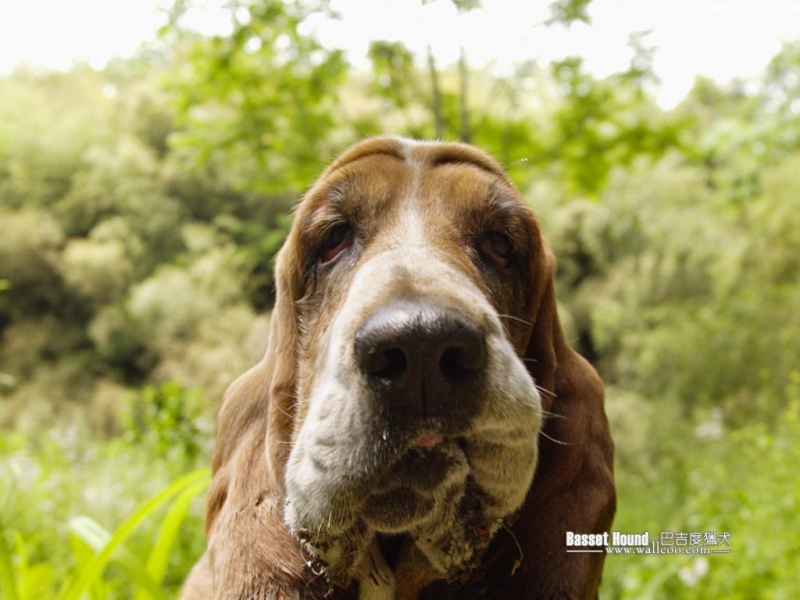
260 101
567 12
603 124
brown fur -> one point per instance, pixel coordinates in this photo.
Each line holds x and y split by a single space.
251 554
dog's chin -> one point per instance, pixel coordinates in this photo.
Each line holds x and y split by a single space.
417 489
417 500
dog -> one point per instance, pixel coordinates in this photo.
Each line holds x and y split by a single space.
419 427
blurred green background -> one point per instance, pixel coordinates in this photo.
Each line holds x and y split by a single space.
141 206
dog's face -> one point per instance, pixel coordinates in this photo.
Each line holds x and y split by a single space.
415 422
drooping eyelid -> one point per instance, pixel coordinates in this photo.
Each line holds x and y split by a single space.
509 217
318 224
328 213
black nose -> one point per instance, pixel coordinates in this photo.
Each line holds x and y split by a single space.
424 357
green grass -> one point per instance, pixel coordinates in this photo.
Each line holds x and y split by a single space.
100 564
744 482
123 518
85 518
104 544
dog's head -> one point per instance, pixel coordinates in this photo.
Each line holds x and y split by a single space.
393 424
410 298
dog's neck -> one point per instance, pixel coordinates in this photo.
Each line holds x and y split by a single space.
404 580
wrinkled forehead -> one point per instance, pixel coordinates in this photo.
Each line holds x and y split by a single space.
420 154
389 178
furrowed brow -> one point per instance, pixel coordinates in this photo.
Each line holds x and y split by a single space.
461 155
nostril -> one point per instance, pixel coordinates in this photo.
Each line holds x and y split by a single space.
393 364
422 357
457 361
378 361
449 363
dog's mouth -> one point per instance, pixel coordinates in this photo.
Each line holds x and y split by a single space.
424 506
432 471
429 440
431 509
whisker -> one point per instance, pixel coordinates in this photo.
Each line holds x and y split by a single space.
311 581
291 417
545 391
554 440
513 318
551 415
518 562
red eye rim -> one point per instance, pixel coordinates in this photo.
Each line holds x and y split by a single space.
498 247
339 239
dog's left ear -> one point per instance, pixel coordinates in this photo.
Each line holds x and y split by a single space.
546 340
573 489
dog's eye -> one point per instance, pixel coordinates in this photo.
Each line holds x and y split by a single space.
498 247
338 239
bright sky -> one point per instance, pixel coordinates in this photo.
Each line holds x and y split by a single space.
718 38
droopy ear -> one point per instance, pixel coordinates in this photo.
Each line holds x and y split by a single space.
251 553
573 489
540 354
263 398
282 356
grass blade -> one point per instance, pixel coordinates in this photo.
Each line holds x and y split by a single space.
96 537
168 534
92 569
7 579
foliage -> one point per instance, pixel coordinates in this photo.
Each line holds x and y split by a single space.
49 121
697 477
261 100
602 125
660 272
104 545
49 549
30 242
395 76
747 125
581 129
115 266
141 208
567 12
167 419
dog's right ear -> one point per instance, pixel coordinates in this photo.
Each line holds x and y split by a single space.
257 408
251 553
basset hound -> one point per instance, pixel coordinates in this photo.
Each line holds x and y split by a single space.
418 428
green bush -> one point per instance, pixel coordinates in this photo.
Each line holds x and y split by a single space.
130 521
169 420
700 476
99 270
30 245
47 122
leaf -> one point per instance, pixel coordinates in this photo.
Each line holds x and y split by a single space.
93 568
567 12
168 534
93 537
7 579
